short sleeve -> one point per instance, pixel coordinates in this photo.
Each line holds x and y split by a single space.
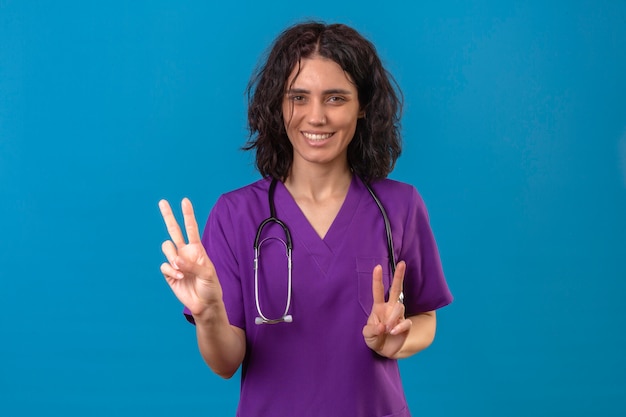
425 286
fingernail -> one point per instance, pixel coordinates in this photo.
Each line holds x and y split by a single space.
180 275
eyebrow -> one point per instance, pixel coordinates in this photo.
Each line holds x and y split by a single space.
325 92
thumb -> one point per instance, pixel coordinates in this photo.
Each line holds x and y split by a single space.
372 330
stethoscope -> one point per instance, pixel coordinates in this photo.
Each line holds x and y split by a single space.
286 317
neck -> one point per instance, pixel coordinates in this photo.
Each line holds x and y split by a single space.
318 184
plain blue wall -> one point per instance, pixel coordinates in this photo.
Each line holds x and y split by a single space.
515 134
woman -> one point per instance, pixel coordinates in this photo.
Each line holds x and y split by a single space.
323 117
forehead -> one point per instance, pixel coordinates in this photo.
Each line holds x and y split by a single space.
319 72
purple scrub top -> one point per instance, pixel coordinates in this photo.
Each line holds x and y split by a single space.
319 365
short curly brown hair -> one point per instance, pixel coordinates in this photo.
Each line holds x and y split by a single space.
377 141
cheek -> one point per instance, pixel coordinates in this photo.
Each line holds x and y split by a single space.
351 123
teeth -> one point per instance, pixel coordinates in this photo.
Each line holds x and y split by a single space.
314 136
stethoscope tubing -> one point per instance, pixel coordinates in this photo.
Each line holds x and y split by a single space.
286 317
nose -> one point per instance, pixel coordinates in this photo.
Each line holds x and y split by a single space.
317 113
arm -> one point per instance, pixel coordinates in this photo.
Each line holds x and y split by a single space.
193 279
221 345
420 336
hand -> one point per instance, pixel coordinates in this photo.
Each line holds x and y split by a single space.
387 329
188 270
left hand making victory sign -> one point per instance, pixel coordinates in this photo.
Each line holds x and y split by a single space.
387 329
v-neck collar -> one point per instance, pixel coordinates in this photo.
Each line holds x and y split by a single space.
304 235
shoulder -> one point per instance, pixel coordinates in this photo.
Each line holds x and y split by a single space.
397 192
247 196
401 200
236 212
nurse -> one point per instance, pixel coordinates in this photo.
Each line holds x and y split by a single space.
324 123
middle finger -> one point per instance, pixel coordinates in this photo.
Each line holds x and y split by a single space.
398 280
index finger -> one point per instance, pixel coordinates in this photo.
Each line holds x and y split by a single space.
378 289
191 226
172 225
395 292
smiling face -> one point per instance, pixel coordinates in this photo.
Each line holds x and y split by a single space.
320 112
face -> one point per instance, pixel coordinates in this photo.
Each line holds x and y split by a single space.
320 112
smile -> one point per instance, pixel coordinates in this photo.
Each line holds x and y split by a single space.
316 136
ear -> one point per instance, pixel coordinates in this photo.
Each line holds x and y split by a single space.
361 114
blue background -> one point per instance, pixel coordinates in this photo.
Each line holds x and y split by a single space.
515 135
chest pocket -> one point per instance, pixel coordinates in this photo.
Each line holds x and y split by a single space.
364 276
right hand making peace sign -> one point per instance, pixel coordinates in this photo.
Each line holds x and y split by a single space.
188 270
387 327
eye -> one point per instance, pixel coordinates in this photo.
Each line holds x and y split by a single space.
296 98
336 99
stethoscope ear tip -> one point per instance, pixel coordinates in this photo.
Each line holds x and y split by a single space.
288 318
